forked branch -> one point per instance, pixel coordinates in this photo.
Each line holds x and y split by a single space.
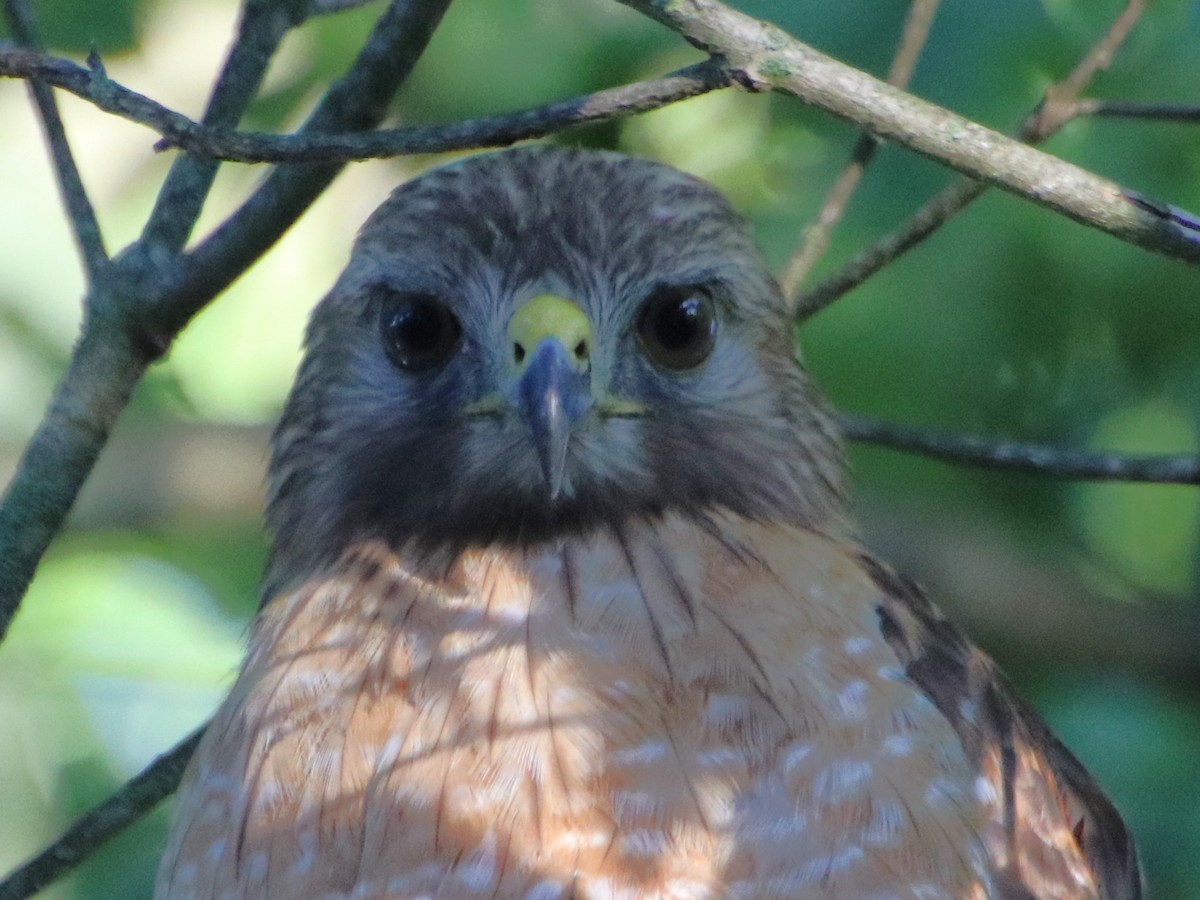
763 57
936 212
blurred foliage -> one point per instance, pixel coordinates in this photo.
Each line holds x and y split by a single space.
111 27
1011 322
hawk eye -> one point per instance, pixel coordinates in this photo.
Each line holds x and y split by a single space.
419 331
678 326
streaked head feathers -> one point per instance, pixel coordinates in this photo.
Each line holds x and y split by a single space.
443 456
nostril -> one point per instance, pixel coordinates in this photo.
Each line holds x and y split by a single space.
518 352
581 351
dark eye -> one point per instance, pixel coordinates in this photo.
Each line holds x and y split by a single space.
419 332
678 326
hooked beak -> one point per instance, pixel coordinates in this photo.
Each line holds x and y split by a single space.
551 341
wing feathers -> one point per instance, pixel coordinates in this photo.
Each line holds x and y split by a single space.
1058 835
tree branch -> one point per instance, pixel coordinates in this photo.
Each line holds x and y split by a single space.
136 797
84 225
309 146
1120 109
103 372
763 57
816 237
145 300
261 29
94 85
936 212
488 131
1056 462
1055 110
356 102
958 196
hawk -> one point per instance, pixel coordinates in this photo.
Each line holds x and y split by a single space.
563 600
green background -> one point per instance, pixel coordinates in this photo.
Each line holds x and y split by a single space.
1010 322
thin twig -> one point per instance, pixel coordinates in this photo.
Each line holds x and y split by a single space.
135 798
356 102
958 196
1101 55
912 41
815 239
487 131
935 213
261 29
94 85
315 146
1054 111
1043 459
1123 109
84 224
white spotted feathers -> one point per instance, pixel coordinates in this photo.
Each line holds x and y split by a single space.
682 711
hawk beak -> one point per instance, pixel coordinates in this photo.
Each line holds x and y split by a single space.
551 341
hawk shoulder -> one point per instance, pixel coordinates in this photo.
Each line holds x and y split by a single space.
1055 832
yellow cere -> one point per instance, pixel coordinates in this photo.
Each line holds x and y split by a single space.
550 316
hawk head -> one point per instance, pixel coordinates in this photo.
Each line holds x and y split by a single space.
544 341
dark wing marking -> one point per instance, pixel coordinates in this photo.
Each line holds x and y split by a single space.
1056 830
